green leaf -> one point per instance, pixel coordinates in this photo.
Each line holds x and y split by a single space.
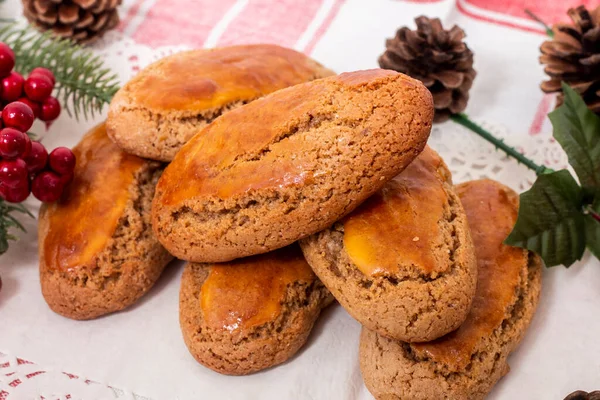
550 220
592 228
577 129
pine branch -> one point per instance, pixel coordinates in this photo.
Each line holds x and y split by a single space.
84 85
463 120
537 19
9 222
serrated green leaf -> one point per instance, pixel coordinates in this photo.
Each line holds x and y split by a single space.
577 129
592 229
550 220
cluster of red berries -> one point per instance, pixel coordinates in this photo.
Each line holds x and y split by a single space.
35 91
25 165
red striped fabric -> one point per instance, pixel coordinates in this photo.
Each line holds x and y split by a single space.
201 23
541 113
174 22
265 21
324 27
550 11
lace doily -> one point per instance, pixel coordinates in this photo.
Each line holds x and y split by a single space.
471 157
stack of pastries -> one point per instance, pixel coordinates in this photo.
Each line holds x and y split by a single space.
284 187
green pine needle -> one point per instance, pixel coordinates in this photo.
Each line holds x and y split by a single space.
8 222
84 85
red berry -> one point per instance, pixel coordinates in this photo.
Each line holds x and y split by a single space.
38 87
35 107
47 187
62 160
7 60
37 158
45 72
50 109
17 194
12 87
27 147
18 115
13 143
67 178
13 173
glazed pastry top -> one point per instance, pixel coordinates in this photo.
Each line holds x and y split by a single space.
492 211
400 224
248 292
224 159
81 223
200 80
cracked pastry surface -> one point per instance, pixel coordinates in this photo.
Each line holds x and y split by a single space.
290 164
250 314
97 251
468 362
403 263
168 102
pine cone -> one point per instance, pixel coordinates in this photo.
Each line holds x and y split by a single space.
581 395
573 56
83 21
438 58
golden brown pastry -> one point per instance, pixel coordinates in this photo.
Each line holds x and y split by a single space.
467 363
250 314
403 263
96 248
168 102
290 164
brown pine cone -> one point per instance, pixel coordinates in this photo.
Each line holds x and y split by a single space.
438 58
581 395
83 21
573 56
